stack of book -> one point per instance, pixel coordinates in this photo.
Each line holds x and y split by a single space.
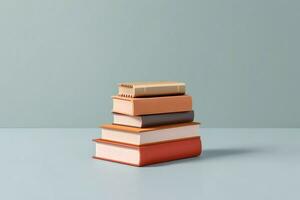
152 123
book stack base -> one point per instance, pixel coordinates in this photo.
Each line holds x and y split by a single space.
151 127
147 154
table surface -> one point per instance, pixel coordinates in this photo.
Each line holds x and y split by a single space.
235 164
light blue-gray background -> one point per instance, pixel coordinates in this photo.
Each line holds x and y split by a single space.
60 61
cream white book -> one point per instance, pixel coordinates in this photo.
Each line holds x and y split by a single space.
140 136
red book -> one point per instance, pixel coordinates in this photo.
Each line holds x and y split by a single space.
149 153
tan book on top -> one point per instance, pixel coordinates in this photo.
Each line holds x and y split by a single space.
152 105
146 89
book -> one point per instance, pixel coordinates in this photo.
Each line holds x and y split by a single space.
153 120
147 154
151 105
141 136
145 89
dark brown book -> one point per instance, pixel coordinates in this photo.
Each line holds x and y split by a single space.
153 120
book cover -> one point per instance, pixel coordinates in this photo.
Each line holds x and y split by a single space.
147 154
146 89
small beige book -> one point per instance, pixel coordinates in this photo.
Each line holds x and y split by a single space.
146 89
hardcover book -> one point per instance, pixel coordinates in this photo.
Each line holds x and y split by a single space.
153 120
152 105
142 136
144 89
147 154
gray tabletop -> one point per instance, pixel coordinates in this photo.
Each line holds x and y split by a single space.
236 164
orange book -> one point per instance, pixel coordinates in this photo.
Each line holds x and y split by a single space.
151 105
147 154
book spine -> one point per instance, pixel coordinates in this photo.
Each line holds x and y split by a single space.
170 151
159 90
168 118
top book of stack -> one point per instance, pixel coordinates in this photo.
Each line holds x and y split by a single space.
150 89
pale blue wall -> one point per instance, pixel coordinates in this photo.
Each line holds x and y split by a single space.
61 60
